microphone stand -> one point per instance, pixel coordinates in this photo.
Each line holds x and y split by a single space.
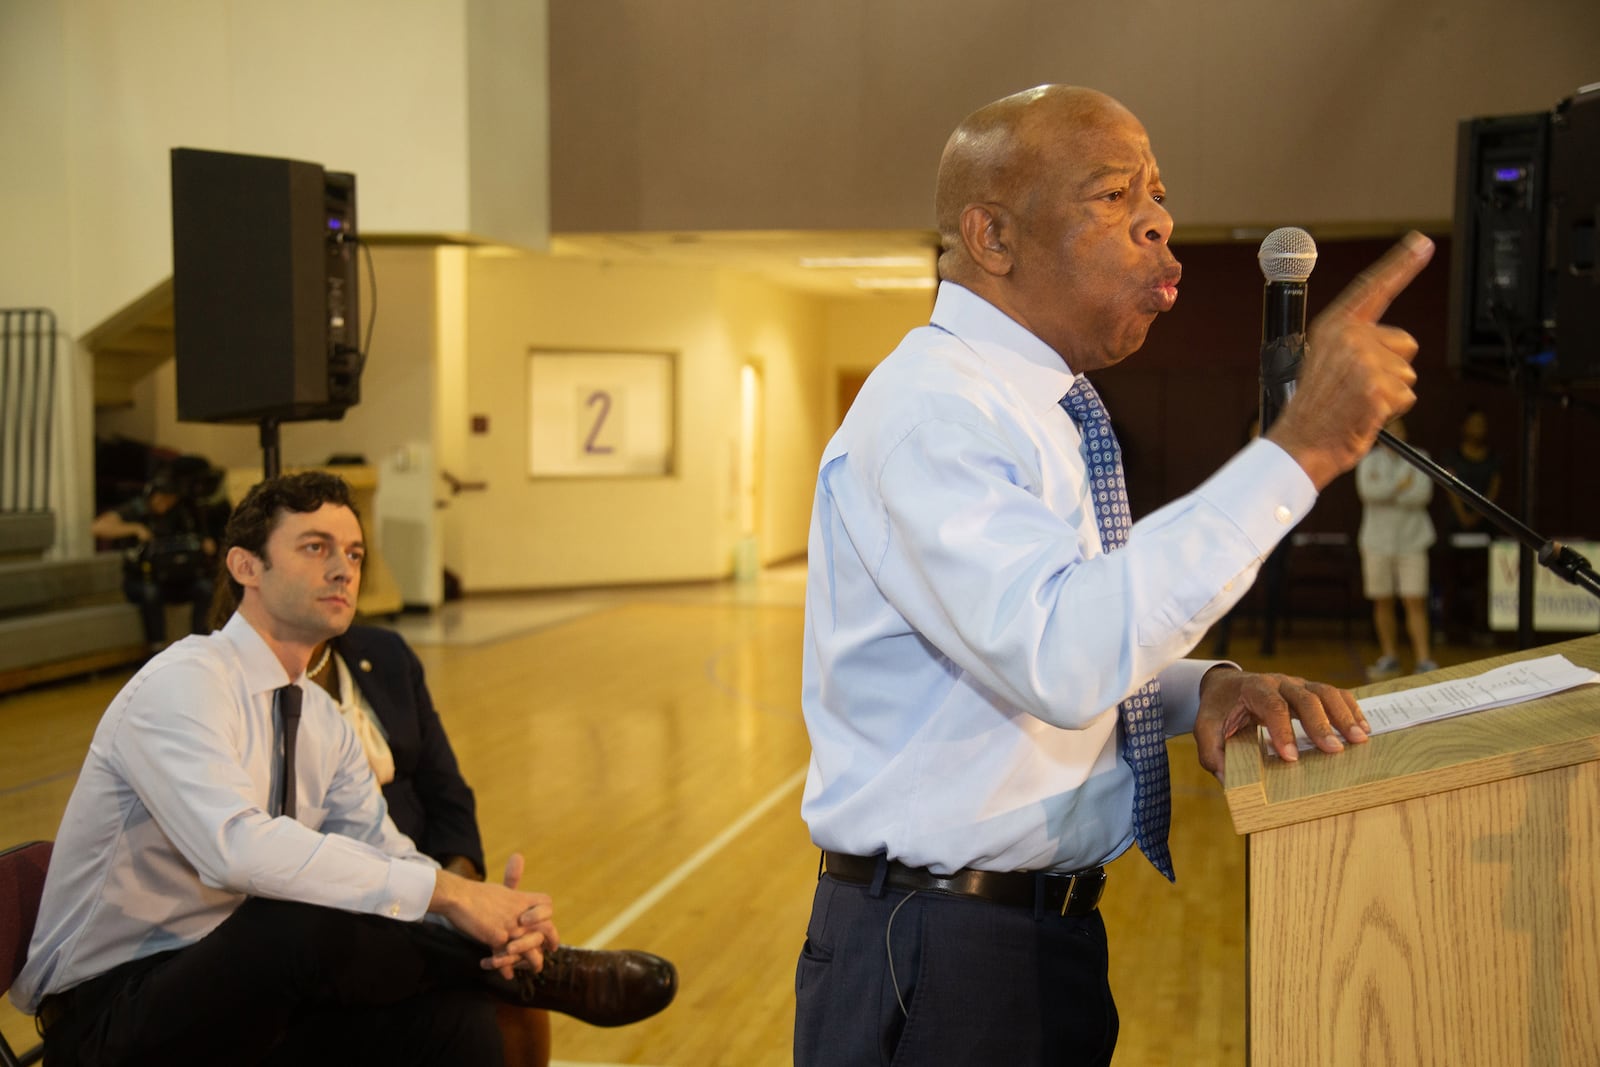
1571 566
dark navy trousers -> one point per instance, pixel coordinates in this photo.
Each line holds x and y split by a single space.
950 981
287 983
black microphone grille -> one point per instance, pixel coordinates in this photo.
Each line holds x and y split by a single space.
1287 255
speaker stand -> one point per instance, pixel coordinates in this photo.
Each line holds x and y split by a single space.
1528 385
271 458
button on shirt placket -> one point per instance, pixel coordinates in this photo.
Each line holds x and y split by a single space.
1144 745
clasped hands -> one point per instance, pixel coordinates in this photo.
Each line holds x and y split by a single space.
517 926
1231 699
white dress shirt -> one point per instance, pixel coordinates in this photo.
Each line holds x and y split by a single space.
967 640
170 826
1394 504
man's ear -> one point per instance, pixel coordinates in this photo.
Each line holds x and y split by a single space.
986 231
245 566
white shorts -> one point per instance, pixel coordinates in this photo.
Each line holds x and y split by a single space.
1405 575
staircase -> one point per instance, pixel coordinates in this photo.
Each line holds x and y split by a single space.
59 618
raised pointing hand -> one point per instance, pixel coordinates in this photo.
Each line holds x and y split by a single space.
1357 372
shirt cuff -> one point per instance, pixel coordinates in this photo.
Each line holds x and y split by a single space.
1180 692
1264 491
409 891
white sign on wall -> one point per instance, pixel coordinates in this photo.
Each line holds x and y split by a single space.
600 414
1557 604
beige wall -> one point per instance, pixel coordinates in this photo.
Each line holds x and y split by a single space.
454 328
526 532
35 214
453 333
782 334
859 333
508 122
99 91
36 228
832 113
244 77
438 106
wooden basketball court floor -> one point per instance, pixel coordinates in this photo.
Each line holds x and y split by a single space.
644 749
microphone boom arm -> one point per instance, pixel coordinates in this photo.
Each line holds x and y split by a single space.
1568 564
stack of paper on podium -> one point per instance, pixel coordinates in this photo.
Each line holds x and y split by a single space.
1512 683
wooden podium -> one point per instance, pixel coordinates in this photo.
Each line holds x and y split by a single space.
1432 896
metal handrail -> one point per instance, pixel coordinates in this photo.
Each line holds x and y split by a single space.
28 339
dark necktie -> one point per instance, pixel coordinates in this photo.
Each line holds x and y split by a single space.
289 712
1144 741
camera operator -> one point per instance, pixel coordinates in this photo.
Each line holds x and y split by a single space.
169 551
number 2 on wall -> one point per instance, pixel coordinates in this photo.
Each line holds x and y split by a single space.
590 445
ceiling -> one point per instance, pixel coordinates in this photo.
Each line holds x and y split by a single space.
839 263
856 263
907 257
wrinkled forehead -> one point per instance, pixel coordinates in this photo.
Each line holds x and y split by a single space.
1088 135
333 521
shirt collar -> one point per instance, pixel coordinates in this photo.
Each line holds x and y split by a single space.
1038 372
262 671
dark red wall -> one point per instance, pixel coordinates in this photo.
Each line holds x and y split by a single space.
1183 403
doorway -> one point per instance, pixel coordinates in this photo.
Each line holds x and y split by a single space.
747 554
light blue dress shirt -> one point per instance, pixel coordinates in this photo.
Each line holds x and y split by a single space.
170 825
967 640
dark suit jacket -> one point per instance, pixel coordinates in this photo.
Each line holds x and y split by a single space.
429 800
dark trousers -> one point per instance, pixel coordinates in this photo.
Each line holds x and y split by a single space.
152 600
287 983
1463 583
981 983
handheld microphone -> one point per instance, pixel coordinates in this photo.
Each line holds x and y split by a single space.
1287 258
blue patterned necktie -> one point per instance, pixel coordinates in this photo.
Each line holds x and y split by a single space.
1144 741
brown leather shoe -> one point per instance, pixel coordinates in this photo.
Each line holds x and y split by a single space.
601 988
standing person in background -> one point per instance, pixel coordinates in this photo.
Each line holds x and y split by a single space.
1465 549
1395 535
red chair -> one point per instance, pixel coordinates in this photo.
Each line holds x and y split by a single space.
21 884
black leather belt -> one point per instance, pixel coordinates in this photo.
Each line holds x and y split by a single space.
1077 893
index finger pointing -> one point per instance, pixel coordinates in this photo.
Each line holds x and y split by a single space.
1375 288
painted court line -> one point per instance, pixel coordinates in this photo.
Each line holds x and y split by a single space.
655 893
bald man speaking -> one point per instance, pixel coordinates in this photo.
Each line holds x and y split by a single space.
994 652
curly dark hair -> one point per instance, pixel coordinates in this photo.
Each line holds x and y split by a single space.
259 513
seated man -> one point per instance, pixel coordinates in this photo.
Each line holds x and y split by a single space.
226 889
378 684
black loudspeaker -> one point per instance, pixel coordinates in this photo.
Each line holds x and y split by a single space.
1523 287
265 292
1574 203
1499 312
